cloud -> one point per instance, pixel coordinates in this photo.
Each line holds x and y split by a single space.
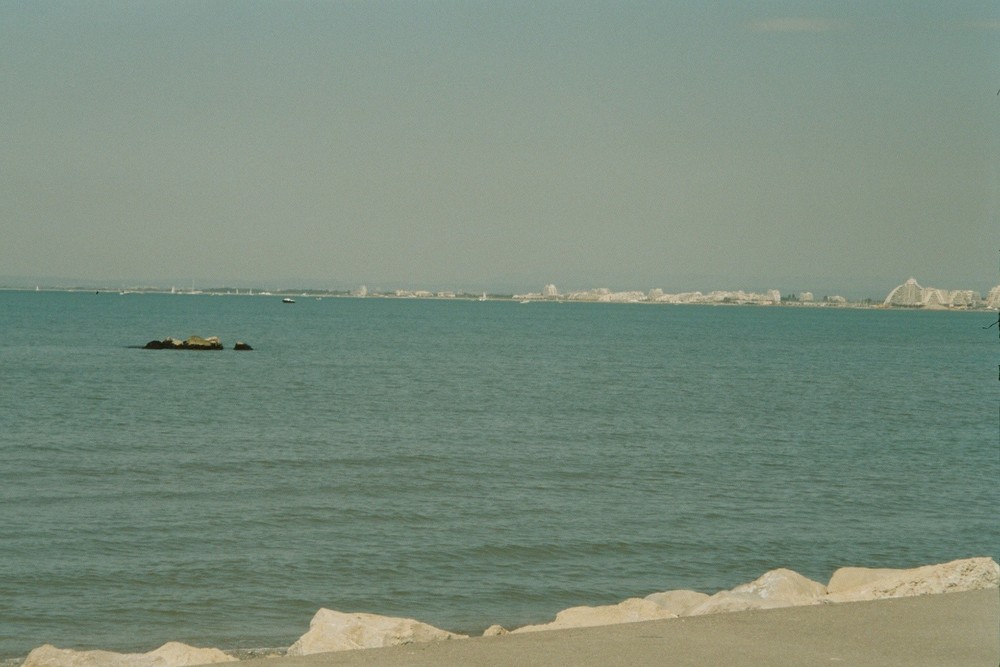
793 24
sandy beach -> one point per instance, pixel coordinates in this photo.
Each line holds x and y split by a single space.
942 615
941 630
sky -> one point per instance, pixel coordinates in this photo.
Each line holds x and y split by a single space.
836 147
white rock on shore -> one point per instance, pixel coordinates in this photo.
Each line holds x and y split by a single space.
777 588
338 631
171 654
678 602
629 611
851 584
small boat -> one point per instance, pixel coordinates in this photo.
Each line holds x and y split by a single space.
288 299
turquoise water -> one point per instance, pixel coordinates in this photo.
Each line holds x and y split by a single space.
466 463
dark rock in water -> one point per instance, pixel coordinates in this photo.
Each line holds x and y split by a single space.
192 343
240 345
167 343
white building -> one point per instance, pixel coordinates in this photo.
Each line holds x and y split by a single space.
911 295
993 299
907 295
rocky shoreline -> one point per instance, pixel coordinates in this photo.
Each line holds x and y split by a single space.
337 631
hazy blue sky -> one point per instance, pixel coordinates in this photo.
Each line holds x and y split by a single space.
683 145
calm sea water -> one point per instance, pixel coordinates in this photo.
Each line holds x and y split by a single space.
466 463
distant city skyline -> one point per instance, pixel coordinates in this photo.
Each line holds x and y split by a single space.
836 148
939 293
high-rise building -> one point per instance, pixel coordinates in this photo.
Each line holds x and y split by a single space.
908 294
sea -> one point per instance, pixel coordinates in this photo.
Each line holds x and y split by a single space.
466 462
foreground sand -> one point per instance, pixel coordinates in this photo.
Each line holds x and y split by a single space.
934 630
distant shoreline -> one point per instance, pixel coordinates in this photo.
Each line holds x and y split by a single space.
718 298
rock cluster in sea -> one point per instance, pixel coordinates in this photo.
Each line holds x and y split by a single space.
192 343
337 631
